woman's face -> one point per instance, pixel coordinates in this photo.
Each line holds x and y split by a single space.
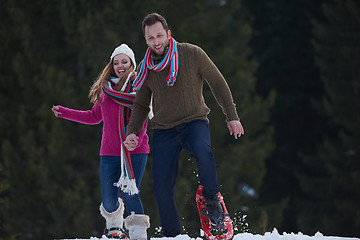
121 63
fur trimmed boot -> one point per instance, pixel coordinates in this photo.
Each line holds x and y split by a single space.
137 224
114 222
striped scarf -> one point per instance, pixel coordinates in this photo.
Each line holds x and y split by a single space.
171 58
125 98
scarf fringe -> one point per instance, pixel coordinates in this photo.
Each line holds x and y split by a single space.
127 185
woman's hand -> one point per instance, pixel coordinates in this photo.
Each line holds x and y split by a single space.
55 110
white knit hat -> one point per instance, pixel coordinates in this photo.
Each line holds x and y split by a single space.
124 49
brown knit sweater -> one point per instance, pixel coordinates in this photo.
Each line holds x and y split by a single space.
183 102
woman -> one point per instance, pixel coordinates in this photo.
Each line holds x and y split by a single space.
118 168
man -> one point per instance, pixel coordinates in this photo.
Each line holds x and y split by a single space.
172 75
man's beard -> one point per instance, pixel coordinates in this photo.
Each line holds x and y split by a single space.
161 55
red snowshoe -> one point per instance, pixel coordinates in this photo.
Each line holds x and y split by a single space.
214 228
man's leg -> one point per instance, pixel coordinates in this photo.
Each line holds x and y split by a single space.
197 143
166 149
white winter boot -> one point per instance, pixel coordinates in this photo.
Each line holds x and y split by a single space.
137 224
114 222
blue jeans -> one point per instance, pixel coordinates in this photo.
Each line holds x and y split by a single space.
194 137
110 171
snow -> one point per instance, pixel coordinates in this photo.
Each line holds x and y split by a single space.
274 235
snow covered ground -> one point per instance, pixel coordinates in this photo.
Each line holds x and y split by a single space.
274 235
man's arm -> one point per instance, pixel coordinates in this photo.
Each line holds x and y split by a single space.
138 117
140 111
219 87
221 92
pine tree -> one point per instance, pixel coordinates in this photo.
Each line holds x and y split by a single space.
331 201
51 166
4 235
282 45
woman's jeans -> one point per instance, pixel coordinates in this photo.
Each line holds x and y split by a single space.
194 137
110 171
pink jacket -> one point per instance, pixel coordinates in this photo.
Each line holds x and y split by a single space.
109 114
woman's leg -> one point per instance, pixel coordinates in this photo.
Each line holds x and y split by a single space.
133 202
110 167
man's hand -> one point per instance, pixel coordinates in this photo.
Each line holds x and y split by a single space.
235 128
131 142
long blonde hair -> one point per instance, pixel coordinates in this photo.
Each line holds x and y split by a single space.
99 83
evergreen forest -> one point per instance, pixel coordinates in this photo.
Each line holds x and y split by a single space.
293 68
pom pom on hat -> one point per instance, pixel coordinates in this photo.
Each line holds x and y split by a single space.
124 49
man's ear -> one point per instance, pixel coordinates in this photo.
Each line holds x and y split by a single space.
169 33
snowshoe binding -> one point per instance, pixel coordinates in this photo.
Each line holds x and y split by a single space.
116 233
214 212
214 217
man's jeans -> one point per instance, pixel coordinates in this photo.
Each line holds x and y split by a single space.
110 171
194 137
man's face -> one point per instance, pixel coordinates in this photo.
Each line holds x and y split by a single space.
157 38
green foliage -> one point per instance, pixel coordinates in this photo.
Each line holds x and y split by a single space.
333 172
52 52
41 155
4 235
281 44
